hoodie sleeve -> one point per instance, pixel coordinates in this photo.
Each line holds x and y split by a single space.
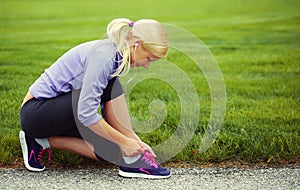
98 70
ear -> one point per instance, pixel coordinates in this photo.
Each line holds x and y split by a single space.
135 41
138 42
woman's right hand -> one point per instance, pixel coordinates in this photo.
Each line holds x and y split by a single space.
131 147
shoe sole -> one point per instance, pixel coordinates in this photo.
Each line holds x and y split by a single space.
141 175
25 153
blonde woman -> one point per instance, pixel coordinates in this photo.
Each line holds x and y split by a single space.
61 107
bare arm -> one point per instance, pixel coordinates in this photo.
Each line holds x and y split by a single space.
128 146
117 115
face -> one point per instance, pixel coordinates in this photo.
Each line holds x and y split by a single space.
140 57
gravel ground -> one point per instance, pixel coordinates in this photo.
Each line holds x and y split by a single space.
182 178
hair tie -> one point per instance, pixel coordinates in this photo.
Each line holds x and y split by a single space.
131 24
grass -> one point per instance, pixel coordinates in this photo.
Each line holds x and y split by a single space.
256 45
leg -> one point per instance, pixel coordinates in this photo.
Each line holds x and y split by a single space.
54 119
73 144
41 119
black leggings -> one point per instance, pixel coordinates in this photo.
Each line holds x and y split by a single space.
55 117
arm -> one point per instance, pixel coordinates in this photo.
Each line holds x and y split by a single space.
94 81
128 146
117 115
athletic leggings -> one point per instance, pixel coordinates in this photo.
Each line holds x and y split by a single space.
55 117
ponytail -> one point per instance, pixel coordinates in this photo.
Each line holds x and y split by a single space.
117 32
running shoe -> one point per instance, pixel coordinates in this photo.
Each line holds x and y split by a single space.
32 152
145 167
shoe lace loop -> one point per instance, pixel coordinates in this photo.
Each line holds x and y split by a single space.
148 158
42 151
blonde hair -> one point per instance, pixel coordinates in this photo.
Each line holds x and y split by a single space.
150 32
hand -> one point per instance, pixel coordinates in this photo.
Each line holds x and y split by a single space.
132 148
147 148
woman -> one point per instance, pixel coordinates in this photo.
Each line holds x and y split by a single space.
61 108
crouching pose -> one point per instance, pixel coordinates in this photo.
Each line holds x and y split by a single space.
61 108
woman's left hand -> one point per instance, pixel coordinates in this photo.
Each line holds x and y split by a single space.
142 144
147 148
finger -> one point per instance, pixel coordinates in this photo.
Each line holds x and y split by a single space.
147 148
151 152
141 151
142 145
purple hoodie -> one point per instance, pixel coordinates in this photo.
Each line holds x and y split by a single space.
88 67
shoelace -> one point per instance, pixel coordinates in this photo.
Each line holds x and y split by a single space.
48 150
148 158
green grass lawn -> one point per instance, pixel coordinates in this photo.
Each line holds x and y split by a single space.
256 45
